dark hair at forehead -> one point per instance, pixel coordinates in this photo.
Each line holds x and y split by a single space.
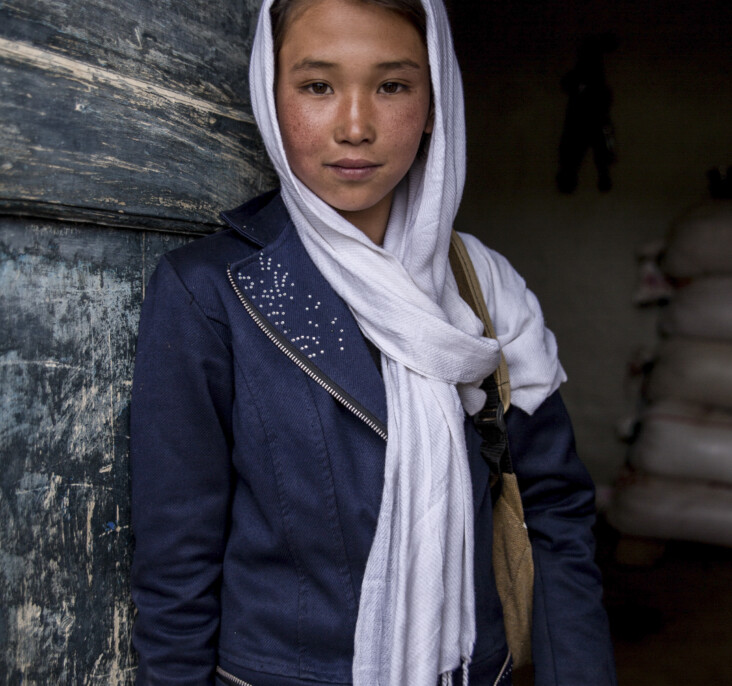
281 13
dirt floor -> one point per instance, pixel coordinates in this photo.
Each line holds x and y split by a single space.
672 616
670 609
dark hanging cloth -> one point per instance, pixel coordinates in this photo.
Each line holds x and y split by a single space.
587 124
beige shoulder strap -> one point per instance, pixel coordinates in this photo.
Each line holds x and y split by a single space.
512 558
469 288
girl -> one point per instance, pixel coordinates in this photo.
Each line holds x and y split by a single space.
309 501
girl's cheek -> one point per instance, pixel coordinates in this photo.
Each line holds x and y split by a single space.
407 125
299 127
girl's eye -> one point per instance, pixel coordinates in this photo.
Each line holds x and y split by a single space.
392 87
318 88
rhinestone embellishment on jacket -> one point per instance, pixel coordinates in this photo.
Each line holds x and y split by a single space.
298 316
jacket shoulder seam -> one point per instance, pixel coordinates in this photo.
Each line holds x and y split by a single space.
198 306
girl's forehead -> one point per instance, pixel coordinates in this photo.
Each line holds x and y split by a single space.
348 31
284 13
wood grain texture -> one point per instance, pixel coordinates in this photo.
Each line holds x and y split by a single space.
129 108
69 306
200 47
125 127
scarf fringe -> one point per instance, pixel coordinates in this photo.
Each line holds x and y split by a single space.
446 677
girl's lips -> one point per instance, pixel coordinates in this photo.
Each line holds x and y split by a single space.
353 170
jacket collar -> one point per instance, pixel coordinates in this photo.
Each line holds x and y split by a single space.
284 284
259 220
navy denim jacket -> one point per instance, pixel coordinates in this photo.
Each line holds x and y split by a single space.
255 493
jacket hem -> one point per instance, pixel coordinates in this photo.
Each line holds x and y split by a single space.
278 674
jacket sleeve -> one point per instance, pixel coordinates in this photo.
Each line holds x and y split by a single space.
571 639
180 469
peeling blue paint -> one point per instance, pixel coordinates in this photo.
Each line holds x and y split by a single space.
69 319
84 140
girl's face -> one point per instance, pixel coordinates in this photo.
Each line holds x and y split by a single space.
353 100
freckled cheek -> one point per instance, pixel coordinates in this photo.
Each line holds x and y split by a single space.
405 127
301 135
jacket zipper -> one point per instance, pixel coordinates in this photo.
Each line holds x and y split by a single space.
502 673
295 356
231 678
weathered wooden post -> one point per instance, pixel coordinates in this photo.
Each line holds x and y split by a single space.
124 128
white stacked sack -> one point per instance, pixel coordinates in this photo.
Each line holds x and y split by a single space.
680 483
685 440
700 242
702 309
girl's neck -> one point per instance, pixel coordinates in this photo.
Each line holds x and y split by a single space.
371 221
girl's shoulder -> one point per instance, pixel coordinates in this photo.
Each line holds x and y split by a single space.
199 269
501 284
491 261
246 230
529 347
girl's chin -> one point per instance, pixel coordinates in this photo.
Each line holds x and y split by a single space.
364 203
346 210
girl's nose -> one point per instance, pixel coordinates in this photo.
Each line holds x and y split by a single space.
355 121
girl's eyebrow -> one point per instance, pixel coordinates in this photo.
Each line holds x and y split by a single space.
398 64
309 63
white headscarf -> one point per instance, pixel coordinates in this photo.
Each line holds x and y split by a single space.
416 617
